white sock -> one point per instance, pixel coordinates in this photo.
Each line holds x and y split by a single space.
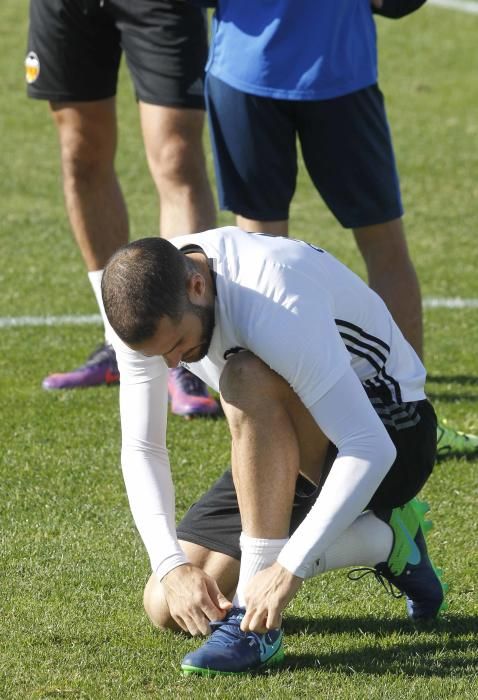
256 554
367 542
95 281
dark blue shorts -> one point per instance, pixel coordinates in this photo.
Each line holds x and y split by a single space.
345 142
75 49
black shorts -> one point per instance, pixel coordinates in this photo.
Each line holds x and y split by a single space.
75 47
346 146
215 523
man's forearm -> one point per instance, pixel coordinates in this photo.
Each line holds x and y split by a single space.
150 492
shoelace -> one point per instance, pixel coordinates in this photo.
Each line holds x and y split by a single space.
226 632
383 580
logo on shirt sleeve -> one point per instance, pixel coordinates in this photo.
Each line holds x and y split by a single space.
32 67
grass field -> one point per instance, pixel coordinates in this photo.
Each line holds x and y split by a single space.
72 565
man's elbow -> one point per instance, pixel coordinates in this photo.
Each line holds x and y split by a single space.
387 452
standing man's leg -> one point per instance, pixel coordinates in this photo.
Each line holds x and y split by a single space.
173 143
96 210
168 76
76 54
392 275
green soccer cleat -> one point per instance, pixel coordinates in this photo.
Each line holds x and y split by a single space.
405 522
409 568
454 443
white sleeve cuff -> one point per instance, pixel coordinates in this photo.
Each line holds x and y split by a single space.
172 562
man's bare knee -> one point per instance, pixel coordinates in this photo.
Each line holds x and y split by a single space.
87 134
244 372
223 568
155 605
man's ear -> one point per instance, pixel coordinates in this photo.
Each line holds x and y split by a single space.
196 287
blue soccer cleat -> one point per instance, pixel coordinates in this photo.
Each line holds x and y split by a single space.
409 568
420 583
229 650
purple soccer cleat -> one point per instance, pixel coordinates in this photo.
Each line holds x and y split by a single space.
189 395
100 368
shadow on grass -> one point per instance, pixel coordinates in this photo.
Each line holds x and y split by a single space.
452 379
440 650
377 626
465 381
450 398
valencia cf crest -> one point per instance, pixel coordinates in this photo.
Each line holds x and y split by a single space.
32 67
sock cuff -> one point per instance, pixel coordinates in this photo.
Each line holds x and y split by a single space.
258 545
95 277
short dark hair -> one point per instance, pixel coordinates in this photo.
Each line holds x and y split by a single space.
142 282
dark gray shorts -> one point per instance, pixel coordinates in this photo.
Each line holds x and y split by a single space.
215 522
75 48
345 142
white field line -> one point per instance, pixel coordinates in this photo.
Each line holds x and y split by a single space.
95 319
29 321
460 5
450 303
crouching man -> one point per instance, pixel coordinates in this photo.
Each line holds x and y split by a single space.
332 435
